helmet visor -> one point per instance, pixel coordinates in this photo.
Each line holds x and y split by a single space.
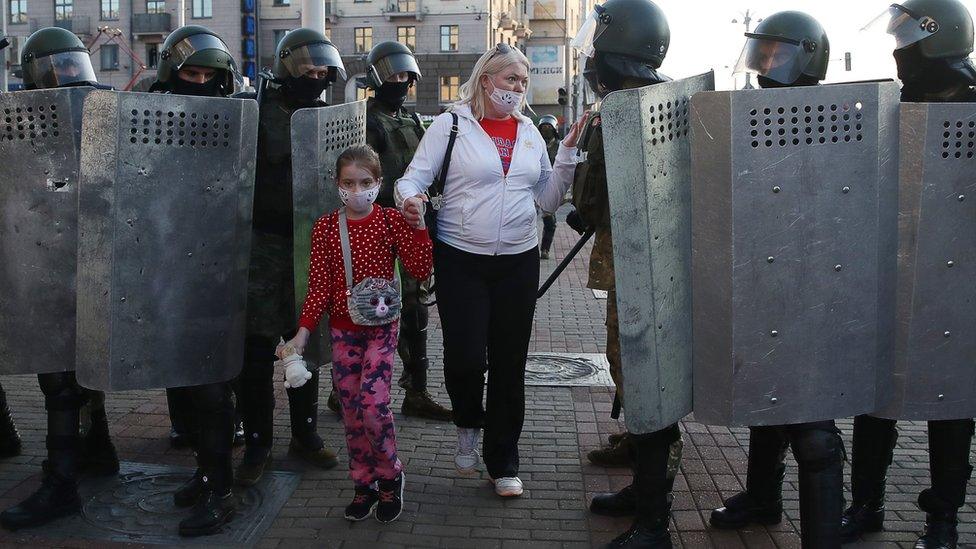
61 69
905 26
181 52
395 64
319 56
589 33
773 58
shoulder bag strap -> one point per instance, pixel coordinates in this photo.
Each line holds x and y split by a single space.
346 250
446 165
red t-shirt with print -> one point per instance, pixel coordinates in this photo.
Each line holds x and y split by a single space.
503 133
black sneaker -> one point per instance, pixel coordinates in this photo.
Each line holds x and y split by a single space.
391 499
363 504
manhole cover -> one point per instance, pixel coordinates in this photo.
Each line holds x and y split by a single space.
137 506
567 369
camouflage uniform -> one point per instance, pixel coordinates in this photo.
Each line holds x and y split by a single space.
395 138
593 205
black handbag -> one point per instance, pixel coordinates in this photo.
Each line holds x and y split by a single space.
436 191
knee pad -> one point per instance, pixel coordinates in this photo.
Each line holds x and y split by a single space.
818 448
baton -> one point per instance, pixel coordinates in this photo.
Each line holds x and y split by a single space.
565 262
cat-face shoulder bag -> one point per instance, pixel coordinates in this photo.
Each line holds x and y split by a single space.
374 301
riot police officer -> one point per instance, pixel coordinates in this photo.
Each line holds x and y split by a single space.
789 49
626 41
53 58
933 41
305 64
195 61
547 127
394 134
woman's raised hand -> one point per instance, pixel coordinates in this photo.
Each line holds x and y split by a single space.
575 130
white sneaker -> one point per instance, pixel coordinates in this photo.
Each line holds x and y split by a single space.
466 458
507 487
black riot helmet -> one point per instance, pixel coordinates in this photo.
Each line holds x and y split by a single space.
628 40
306 63
932 43
53 57
387 59
787 48
196 46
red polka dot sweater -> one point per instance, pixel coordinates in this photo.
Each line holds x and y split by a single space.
371 240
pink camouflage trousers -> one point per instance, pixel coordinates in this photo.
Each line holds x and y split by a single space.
362 370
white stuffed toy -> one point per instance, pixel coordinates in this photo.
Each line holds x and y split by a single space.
296 372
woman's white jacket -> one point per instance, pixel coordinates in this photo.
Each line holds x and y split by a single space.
484 210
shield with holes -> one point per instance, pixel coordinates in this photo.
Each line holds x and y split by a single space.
40 133
935 334
647 141
318 137
794 239
167 184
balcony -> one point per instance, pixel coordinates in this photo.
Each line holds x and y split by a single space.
78 24
404 9
151 23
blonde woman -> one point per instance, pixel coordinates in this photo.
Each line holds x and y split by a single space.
485 255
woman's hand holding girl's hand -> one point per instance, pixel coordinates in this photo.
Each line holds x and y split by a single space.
295 345
576 130
413 210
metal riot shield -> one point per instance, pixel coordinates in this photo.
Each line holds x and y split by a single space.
794 221
935 334
40 132
167 185
318 137
647 142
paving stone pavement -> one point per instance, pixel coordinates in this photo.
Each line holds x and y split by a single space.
445 510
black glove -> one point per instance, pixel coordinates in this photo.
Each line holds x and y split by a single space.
575 222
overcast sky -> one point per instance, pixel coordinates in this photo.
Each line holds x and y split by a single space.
703 36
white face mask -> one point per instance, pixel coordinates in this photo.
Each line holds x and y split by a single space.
359 202
506 101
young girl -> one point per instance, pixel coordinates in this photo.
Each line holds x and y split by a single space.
362 355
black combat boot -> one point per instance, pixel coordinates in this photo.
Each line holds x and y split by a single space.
871 453
819 453
762 502
216 505
658 457
303 406
417 402
58 495
622 503
189 493
949 470
940 531
98 456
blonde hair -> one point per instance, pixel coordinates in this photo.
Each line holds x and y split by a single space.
491 63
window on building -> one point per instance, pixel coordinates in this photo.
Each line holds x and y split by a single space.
155 6
364 39
278 35
18 12
449 37
63 9
110 10
406 6
408 37
202 9
109 55
412 94
152 56
449 88
282 2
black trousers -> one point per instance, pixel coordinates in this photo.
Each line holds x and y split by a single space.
214 412
949 467
548 231
486 304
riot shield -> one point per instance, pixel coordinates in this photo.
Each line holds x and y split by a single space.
318 137
794 209
647 142
935 347
167 185
40 133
